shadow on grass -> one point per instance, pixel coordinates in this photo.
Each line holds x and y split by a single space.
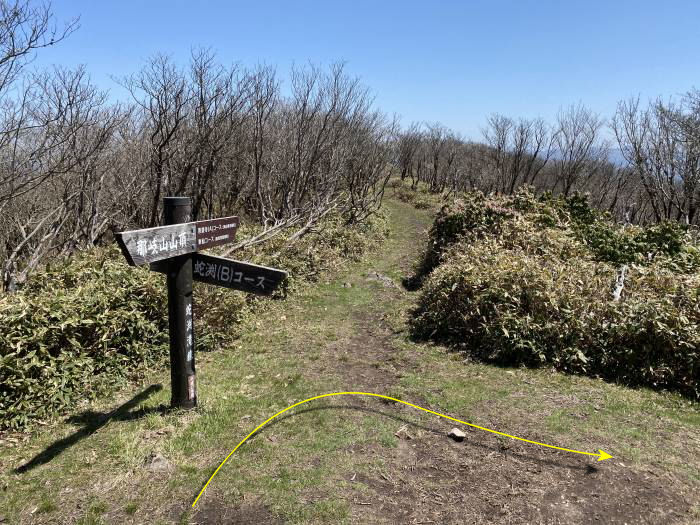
91 422
413 283
469 440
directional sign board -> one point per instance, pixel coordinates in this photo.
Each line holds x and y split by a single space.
247 277
238 275
154 244
216 232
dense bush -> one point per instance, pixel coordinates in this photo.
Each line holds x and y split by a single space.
89 322
529 281
74 330
471 218
631 244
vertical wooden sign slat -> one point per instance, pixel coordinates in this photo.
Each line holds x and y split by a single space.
179 281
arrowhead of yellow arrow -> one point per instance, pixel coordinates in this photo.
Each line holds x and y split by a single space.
603 455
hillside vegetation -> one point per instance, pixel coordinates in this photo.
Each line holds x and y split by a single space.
544 281
90 322
356 459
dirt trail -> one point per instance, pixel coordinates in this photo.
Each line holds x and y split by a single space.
358 459
428 478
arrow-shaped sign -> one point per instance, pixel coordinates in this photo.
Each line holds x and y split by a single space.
243 276
163 242
154 244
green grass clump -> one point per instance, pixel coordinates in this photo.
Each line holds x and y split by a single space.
521 280
419 196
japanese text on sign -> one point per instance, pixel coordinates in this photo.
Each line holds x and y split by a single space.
225 274
156 245
215 232
189 333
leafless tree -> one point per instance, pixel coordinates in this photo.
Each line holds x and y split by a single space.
519 150
437 137
26 27
408 144
60 155
580 150
160 91
685 121
497 134
219 99
74 166
660 144
264 100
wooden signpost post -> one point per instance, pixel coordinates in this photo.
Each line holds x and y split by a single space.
172 250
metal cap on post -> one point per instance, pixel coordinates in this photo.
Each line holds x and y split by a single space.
179 280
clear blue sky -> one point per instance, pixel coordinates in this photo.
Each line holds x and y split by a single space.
453 62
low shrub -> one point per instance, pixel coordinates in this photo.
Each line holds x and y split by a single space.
474 216
405 193
75 330
526 281
468 217
422 204
419 196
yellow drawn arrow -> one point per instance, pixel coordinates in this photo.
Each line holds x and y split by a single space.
600 454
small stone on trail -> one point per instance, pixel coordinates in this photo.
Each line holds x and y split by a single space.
403 433
456 434
157 463
347 285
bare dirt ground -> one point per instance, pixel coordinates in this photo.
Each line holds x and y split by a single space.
429 478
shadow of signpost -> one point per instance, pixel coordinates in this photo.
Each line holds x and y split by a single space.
91 422
473 441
